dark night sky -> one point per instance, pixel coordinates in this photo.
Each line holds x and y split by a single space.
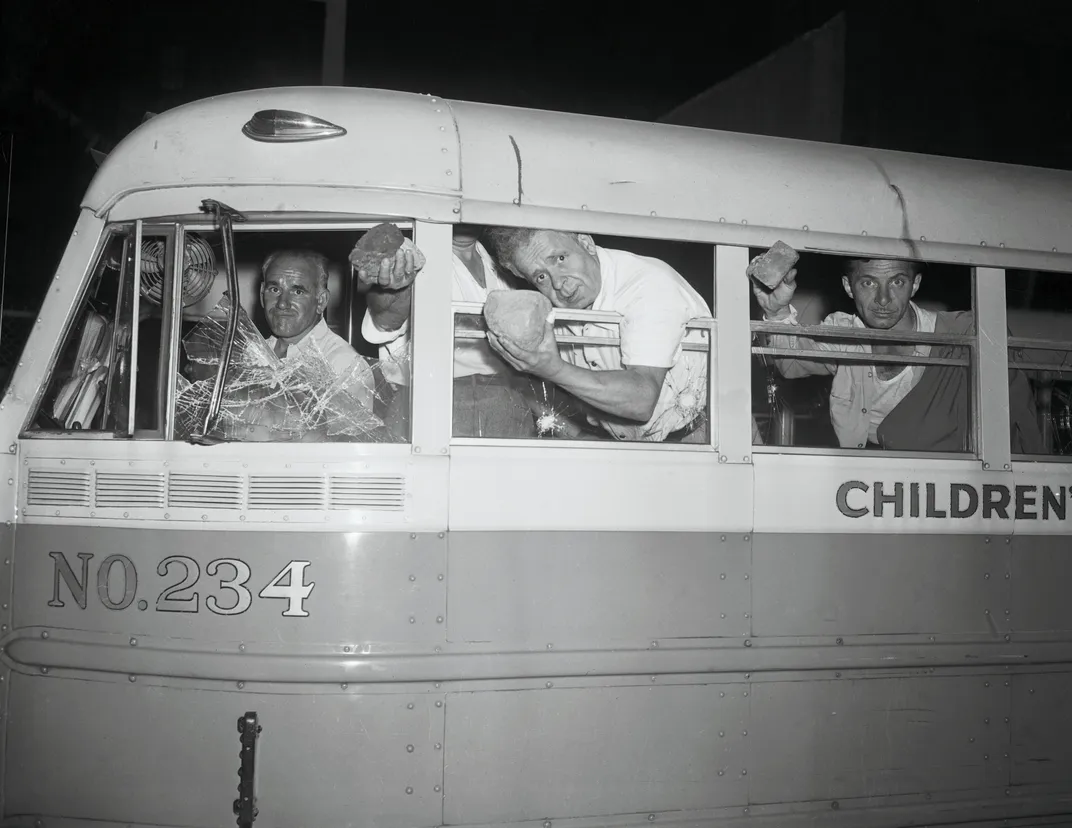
79 70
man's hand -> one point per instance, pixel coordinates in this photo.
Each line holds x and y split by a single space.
394 274
544 361
775 303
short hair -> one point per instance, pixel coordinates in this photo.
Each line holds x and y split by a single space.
849 266
318 261
504 242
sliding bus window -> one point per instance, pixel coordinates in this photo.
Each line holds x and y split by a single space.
614 300
865 354
1039 309
299 369
104 381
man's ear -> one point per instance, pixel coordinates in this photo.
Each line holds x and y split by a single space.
846 283
587 243
915 283
322 297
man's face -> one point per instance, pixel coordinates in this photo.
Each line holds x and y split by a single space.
292 302
881 290
562 266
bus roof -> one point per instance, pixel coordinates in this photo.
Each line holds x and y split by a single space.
485 157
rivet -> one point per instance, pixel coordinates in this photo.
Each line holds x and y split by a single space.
437 789
722 458
721 734
653 212
550 646
986 612
971 738
437 746
744 773
1006 720
443 450
409 790
722 576
982 244
440 577
722 615
441 534
549 685
986 466
744 221
413 577
132 678
745 692
44 670
837 675
439 619
1007 611
416 449
412 620
653 678
986 576
986 757
721 772
456 210
413 536
747 643
1007 576
133 642
744 732
835 805
241 685
721 219
986 720
409 748
44 634
346 649
864 233
547 824
840 641
805 227
722 538
437 685
986 684
748 615
409 706
1006 468
1007 791
746 576
654 643
651 817
722 694
748 810
439 704
584 206
1031 691
344 686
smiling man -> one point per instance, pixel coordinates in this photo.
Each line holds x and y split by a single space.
294 294
891 406
649 389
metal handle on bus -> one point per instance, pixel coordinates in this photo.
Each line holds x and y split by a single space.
225 216
245 807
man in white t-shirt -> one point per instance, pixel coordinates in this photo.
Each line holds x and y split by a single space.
647 389
486 399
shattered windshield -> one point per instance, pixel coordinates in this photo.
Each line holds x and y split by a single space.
302 397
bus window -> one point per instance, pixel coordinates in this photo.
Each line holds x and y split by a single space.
106 377
298 369
864 354
639 308
1039 308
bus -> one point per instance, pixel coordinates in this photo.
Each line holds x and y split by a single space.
459 627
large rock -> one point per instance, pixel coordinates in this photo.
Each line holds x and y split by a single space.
379 243
519 315
772 266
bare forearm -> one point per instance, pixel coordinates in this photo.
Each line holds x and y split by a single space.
620 393
389 309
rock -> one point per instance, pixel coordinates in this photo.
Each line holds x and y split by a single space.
772 266
379 243
519 315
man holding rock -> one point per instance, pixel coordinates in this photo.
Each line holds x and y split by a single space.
649 388
485 401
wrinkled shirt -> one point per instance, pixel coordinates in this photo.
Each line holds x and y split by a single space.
351 370
859 399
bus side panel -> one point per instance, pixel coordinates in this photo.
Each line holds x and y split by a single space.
593 588
879 584
162 586
141 752
873 737
1042 726
535 754
1041 583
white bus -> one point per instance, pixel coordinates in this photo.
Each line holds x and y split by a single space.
483 630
